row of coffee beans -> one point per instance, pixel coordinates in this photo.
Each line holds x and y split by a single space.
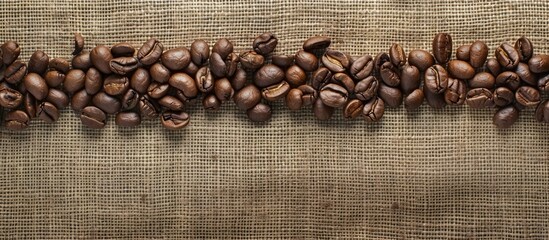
154 83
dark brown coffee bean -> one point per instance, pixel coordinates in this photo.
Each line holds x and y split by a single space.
482 80
150 52
525 74
527 96
436 78
463 53
36 85
309 94
373 110
389 74
93 81
367 88
492 65
539 63
30 105
421 59
116 85
160 73
74 80
259 113
508 79
321 77
442 47
223 89
306 61
507 56
100 57
268 75
171 103
10 98
124 65
322 111
524 48
410 79
478 54
82 61
122 49
78 43
505 117
59 64
16 120
80 100
414 100
47 112
379 60
316 42
38 62
456 92
334 95
204 80
140 80
148 108
283 61
503 96
239 80
15 72
295 76
217 65
10 52
542 112
127 119
247 97
265 43
200 52
362 67
175 120
480 98
275 92
129 100
543 83
185 84
353 109
223 47
157 90
397 55
294 100
176 59
434 100
390 95
461 70
336 61
251 60
58 98
107 103
232 64
191 69
211 103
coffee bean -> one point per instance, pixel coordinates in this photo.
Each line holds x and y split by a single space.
247 97
47 112
150 52
283 61
492 65
268 75
316 42
93 117
353 109
482 80
116 85
379 60
442 47
16 120
175 120
157 90
463 53
436 78
259 113
524 48
15 72
265 43
200 52
80 100
127 119
191 69
373 110
217 65
107 103
93 82
100 57
479 98
223 89
122 49
362 67
60 65
525 74
306 61
239 80
420 59
390 95
295 76
527 96
478 54
461 69
503 96
539 63
54 78
505 117
508 79
204 80
171 103
38 62
211 103
322 111
344 80
129 100
507 56
543 83
293 99
29 103
456 92
275 92
232 64
397 55
321 77
251 60
223 47
82 61
140 80
176 59
58 98
434 100
367 88
185 84
542 112
124 65
389 74
334 95
10 98
36 85
410 79
160 73
414 100
147 107
336 61
78 43
10 52
74 80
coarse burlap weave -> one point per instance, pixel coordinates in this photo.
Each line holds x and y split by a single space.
427 175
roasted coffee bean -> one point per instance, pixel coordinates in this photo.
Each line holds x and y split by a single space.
251 60
362 67
171 103
508 79
54 78
15 72
74 80
38 62
129 100
434 100
379 60
16 120
275 92
107 103
367 88
294 100
47 112
390 95
353 109
306 61
507 56
223 89
373 110
503 96
410 79
321 77
397 55
217 65
10 98
527 96
59 64
389 74
78 43
322 111
505 117
436 78
116 85
259 113
414 100
482 80
200 52
140 80
10 52
157 90
58 98
334 95
442 47
159 73
525 74
344 80
150 52
463 53
93 81
239 80
176 59
295 76
204 80
542 112
480 98
283 61
420 59
210 102
82 61
124 65
336 61
147 107
191 69
247 97
175 120
309 94
316 42
265 43
539 63
36 85
478 54
456 92
268 75
524 48
461 69
100 57
185 84
223 47
127 119
232 64
29 103
492 65
80 100
122 49
543 83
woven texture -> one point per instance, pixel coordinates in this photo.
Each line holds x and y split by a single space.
428 175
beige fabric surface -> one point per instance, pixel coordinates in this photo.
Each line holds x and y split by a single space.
427 175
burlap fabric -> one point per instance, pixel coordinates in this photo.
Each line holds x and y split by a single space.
426 175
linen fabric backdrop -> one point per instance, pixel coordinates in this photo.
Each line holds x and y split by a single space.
430 174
